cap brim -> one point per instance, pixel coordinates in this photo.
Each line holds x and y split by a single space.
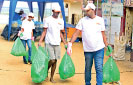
85 9
56 11
31 16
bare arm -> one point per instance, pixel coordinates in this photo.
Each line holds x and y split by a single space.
104 38
43 35
75 35
32 33
61 35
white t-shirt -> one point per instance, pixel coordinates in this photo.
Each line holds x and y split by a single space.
53 26
23 15
91 33
28 26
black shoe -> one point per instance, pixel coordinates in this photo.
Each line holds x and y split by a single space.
30 62
25 62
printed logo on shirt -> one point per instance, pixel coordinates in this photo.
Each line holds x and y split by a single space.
59 23
98 23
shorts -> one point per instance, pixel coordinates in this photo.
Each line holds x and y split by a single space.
53 51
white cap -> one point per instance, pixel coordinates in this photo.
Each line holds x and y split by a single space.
31 14
90 5
56 8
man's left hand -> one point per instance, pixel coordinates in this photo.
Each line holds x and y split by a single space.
32 38
69 48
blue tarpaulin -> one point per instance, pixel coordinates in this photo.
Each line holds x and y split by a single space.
41 5
1 4
30 6
16 17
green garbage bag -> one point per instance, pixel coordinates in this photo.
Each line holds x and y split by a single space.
39 68
66 68
110 71
34 50
44 50
109 50
18 48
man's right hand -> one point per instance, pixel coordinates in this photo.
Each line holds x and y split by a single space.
65 47
109 51
69 48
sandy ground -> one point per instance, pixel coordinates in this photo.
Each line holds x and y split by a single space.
14 72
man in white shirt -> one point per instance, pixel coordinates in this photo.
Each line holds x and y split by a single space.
94 41
27 32
22 14
53 27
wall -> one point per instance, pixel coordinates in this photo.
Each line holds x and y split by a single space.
74 8
117 13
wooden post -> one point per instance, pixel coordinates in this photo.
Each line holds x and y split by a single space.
129 29
131 58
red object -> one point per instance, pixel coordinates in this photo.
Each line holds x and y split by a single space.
122 29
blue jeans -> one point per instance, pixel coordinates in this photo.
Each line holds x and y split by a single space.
29 50
98 60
